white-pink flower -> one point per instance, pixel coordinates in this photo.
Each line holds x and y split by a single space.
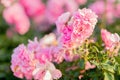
15 15
46 71
110 40
48 40
76 28
83 22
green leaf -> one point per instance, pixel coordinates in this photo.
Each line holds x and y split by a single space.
95 63
96 48
108 76
117 59
82 64
119 70
108 67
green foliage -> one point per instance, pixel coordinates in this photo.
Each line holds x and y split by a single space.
108 76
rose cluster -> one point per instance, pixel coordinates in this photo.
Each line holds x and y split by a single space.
36 60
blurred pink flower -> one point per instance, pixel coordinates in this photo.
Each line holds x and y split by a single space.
106 9
117 11
55 8
33 7
42 23
110 12
9 33
81 2
110 1
16 16
110 40
98 7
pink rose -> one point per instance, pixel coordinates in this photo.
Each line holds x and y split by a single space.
76 28
20 63
83 22
110 40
